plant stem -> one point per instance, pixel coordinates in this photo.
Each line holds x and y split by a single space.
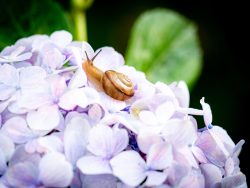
80 21
79 8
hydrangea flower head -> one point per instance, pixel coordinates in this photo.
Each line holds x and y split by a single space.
57 129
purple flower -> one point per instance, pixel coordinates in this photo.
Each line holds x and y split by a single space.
104 144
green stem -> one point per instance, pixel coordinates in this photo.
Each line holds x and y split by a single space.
80 21
79 8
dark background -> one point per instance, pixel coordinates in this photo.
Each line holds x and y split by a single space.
224 39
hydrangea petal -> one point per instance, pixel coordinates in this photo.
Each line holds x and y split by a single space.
78 80
75 138
211 173
50 143
208 118
22 175
129 160
155 178
32 77
165 111
160 156
55 171
102 180
235 181
94 165
3 162
72 98
9 75
146 138
6 91
44 119
6 146
181 92
148 117
16 128
61 38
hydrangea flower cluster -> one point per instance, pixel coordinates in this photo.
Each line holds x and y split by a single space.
58 130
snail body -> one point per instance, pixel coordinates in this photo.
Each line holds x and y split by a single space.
114 84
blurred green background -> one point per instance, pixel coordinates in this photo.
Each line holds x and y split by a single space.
222 32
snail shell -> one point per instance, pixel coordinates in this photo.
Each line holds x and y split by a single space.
114 84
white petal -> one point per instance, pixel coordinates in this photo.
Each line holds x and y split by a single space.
211 173
181 93
6 146
129 167
165 89
121 140
148 117
78 80
94 165
50 143
180 132
72 98
165 111
208 118
3 163
160 156
146 139
199 155
9 75
61 38
32 77
155 178
6 91
55 171
57 85
75 138
101 141
16 128
96 112
44 119
108 59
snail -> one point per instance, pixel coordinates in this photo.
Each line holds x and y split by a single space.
114 84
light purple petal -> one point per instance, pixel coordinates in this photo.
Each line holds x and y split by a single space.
148 117
21 156
6 146
22 175
6 91
235 181
3 162
4 104
176 172
188 155
44 119
57 85
211 173
194 179
75 138
78 80
102 180
129 167
16 128
181 93
101 141
72 98
51 57
155 178
165 89
111 104
94 165
179 132
50 143
146 138
165 111
9 75
107 142
32 77
108 59
55 171
96 112
160 156
199 155
61 38
208 118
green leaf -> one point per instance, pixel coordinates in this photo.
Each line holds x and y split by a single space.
24 18
166 47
